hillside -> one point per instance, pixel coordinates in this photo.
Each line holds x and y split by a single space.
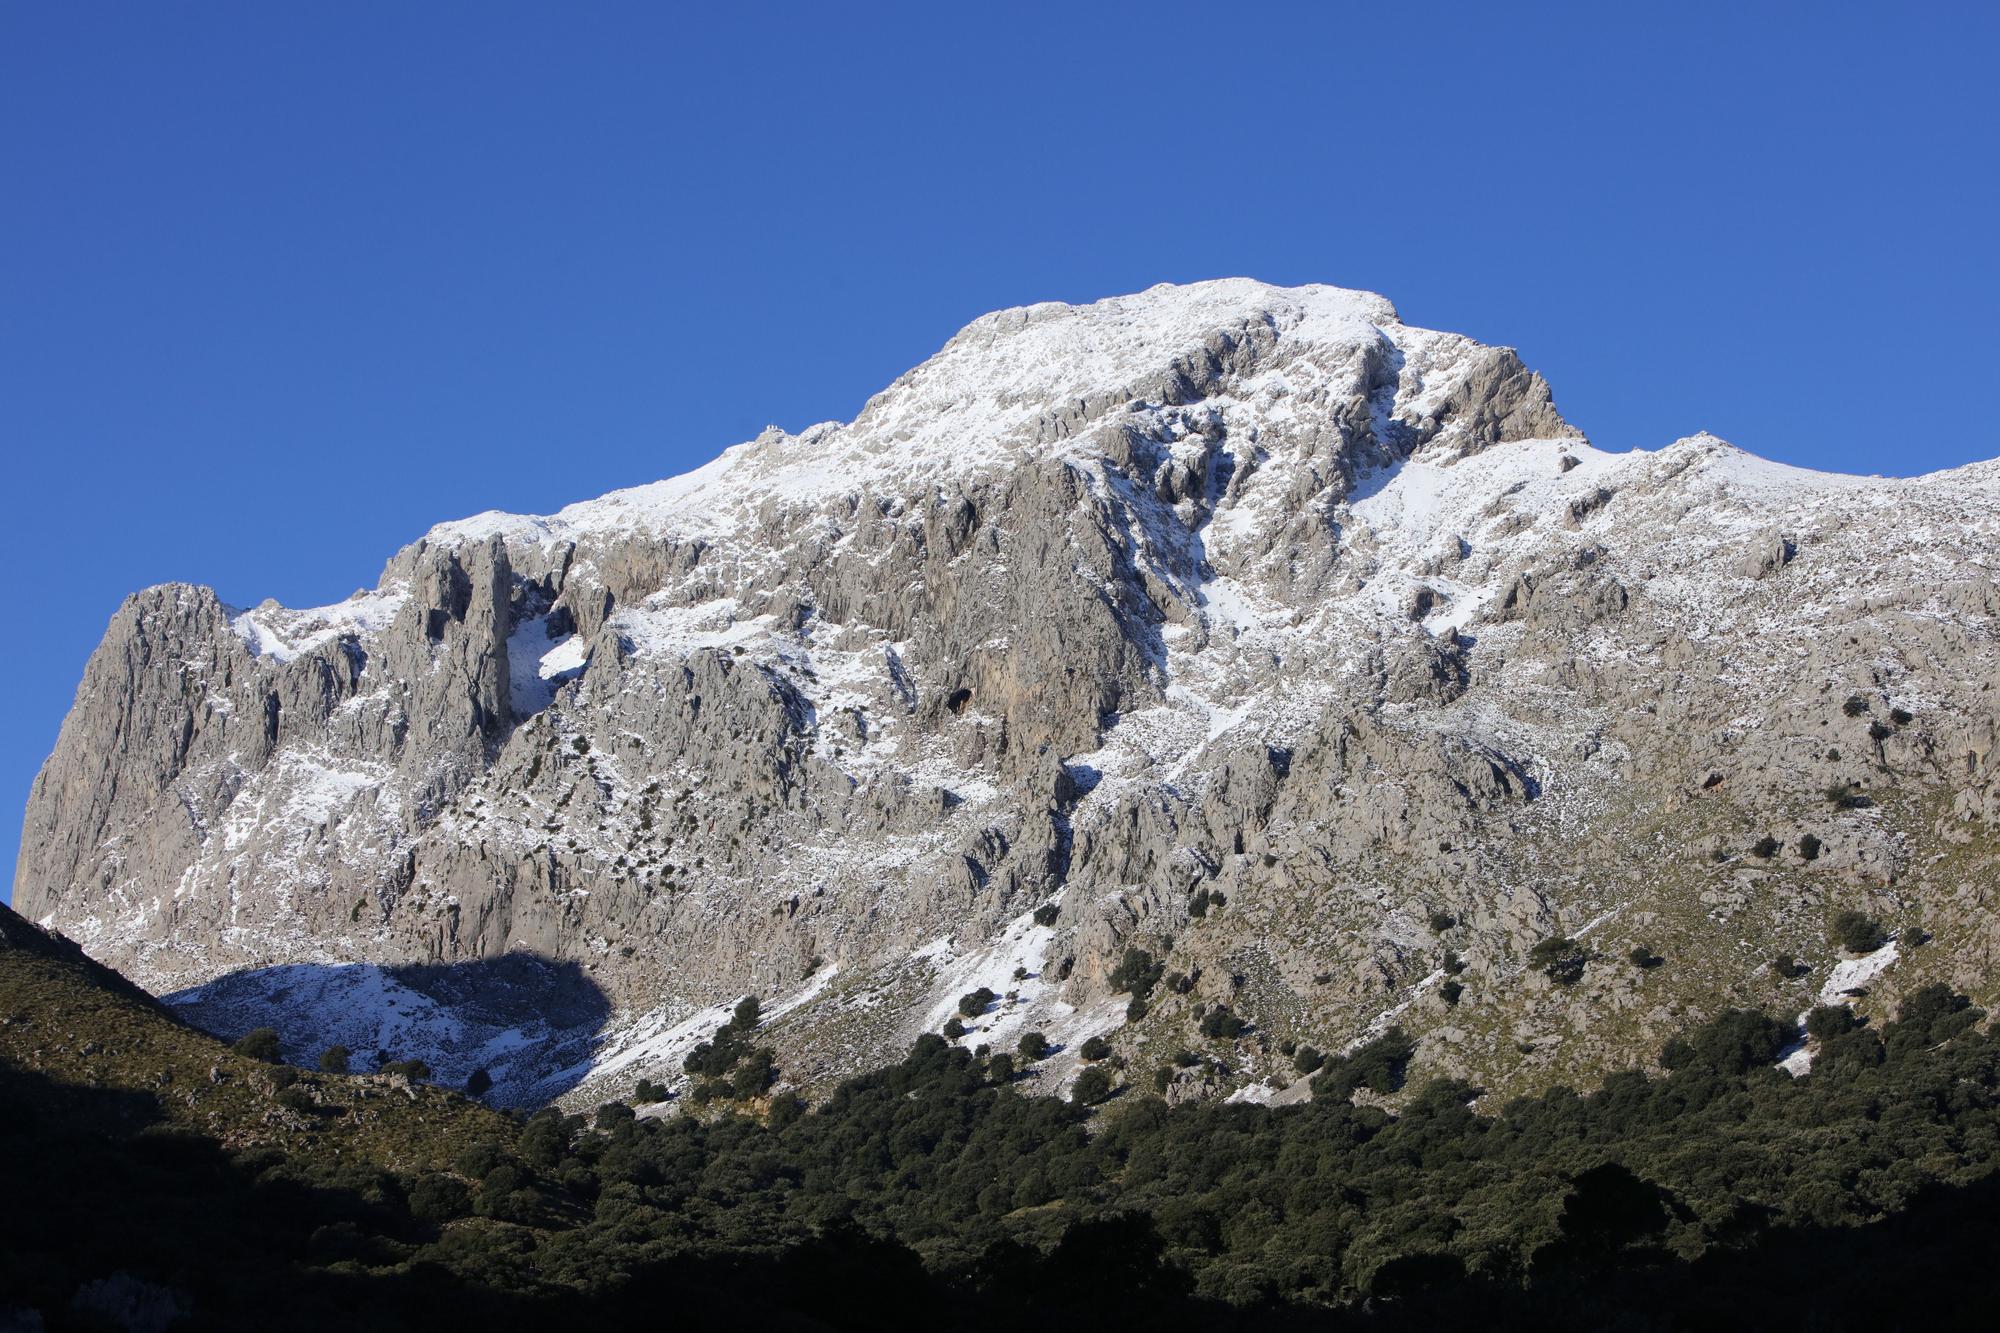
929 1192
81 1028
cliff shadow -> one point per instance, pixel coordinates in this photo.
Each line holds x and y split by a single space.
530 1023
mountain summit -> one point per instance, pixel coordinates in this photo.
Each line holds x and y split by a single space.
1225 667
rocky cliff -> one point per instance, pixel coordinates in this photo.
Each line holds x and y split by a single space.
1311 653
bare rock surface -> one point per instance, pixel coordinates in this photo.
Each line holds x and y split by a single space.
1312 653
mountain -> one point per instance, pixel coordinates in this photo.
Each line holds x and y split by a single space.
1237 647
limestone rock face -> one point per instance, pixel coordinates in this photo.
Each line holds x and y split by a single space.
1245 625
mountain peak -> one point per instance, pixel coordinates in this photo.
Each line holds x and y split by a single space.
1054 381
1167 313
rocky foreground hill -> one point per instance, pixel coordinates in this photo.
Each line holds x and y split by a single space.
1238 648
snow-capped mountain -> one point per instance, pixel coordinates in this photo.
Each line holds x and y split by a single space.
1309 652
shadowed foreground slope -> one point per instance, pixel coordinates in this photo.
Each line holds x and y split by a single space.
930 1193
84 1030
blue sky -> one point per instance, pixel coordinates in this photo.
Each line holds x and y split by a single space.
281 285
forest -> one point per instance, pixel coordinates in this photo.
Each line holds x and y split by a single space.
1713 1191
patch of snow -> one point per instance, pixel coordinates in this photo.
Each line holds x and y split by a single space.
1225 603
1796 1059
1744 472
1253 1094
367 1009
283 635
654 629
1848 974
1380 1023
1404 500
303 790
1022 946
661 1038
538 666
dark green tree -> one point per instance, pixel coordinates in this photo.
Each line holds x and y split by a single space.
437 1198
1092 1086
1827 1021
1221 1024
544 1139
1561 959
1732 1043
756 1072
260 1044
1854 931
1137 972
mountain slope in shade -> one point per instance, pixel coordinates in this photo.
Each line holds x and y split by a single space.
1312 655
80 1029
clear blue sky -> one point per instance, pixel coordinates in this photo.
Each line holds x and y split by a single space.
283 284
